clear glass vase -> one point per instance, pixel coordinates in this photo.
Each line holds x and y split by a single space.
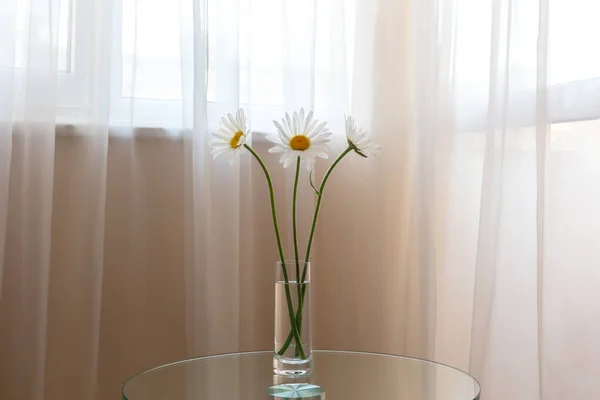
293 343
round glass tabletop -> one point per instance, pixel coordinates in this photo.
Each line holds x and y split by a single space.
336 375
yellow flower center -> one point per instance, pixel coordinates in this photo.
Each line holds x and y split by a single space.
300 142
235 140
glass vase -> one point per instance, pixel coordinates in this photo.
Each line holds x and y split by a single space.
293 343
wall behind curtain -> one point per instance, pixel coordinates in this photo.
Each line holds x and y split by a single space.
472 241
142 301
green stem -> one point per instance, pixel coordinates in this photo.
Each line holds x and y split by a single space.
308 247
318 206
294 202
295 231
288 296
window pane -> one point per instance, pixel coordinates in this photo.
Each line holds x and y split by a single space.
151 52
18 23
66 37
574 33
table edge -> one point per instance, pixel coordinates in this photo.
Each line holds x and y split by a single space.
244 353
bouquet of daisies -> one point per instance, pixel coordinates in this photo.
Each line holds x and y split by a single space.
300 139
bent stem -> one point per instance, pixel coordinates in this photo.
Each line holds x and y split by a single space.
308 247
318 207
294 328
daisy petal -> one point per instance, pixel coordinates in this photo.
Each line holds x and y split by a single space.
233 122
220 145
361 140
276 149
218 152
222 137
316 142
228 125
311 127
301 121
295 121
287 162
308 121
281 130
289 124
317 130
241 117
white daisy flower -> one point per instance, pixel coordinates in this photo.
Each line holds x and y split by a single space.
302 137
230 137
360 140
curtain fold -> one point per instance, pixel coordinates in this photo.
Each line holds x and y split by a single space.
472 241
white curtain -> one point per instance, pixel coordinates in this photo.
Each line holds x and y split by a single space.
472 241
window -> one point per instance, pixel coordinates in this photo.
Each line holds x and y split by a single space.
573 62
258 49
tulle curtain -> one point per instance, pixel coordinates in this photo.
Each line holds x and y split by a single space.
473 236
123 245
471 241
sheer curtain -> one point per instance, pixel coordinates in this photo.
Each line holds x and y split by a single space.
123 244
472 241
485 209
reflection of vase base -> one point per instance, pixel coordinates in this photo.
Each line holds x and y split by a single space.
291 366
296 391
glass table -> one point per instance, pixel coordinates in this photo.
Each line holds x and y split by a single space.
336 375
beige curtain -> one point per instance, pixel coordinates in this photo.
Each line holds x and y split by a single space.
472 241
123 245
